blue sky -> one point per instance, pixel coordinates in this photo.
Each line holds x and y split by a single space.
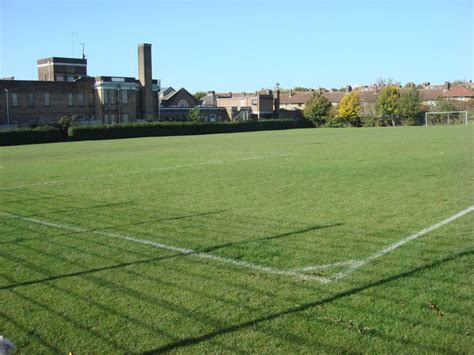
246 44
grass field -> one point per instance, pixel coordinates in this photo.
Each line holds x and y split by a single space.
280 241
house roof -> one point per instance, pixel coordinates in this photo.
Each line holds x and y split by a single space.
296 98
209 100
333 97
430 94
459 91
182 90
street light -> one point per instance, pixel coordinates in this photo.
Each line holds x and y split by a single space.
8 110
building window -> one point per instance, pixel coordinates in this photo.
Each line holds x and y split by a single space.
254 102
80 99
125 118
70 99
31 100
124 96
47 101
59 77
111 96
91 100
14 100
105 96
183 103
213 117
70 78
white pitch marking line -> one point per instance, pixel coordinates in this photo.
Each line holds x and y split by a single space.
183 251
325 266
358 263
165 168
355 264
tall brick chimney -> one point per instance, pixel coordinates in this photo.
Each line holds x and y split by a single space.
276 104
145 78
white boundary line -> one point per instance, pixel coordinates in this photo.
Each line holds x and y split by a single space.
352 265
355 264
182 251
165 168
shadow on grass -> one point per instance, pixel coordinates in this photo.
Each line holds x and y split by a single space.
31 334
85 272
254 322
22 200
278 236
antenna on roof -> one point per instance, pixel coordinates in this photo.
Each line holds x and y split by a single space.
73 34
83 52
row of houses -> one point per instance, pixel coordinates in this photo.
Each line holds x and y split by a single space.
429 96
65 88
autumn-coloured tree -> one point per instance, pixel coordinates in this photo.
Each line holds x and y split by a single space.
388 105
349 109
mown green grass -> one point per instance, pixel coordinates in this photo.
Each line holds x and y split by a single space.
283 199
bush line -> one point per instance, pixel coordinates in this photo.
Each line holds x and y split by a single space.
31 136
135 130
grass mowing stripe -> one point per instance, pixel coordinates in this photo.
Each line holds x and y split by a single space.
358 263
182 251
352 264
166 168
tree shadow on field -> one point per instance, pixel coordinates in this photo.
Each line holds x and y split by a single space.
255 322
278 236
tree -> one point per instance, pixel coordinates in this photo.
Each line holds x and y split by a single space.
349 109
410 84
199 94
317 109
300 89
409 106
443 105
388 105
194 114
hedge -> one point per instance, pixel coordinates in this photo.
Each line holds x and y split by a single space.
176 129
132 130
31 136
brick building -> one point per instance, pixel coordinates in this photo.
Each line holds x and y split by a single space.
263 104
64 88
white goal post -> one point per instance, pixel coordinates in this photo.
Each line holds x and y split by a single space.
451 117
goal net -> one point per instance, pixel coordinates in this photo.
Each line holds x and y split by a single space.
446 118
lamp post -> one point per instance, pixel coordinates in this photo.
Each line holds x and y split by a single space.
8 109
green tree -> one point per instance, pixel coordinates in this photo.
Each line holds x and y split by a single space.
199 94
443 105
317 109
349 109
301 89
388 105
409 106
194 114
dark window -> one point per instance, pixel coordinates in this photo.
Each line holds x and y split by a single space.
31 100
47 101
14 100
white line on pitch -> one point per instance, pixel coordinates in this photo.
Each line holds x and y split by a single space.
165 168
355 264
325 266
182 251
